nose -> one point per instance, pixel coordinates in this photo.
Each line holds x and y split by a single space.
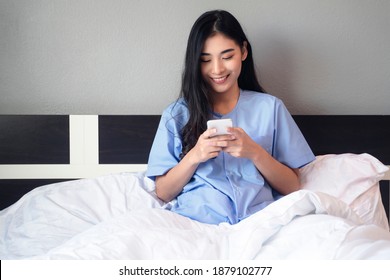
218 67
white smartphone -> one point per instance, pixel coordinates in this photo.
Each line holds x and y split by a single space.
221 125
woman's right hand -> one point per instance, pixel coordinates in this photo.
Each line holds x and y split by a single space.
209 146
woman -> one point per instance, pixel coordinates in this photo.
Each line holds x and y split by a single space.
224 178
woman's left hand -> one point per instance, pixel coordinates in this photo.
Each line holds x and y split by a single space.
284 179
242 146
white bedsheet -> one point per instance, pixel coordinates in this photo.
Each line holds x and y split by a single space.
119 217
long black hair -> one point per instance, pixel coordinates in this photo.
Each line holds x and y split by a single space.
194 89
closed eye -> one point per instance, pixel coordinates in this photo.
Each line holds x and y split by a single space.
208 60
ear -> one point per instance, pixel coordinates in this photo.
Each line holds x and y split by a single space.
244 50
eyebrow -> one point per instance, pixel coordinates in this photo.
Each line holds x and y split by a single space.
223 52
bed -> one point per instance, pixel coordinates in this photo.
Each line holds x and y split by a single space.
74 187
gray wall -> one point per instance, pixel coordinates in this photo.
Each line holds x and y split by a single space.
126 57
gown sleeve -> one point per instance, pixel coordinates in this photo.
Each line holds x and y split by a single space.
166 146
290 146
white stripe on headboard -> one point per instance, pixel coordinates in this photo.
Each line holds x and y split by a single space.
84 139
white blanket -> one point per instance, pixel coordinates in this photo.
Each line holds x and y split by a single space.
119 217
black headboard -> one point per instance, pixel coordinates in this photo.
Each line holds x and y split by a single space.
126 139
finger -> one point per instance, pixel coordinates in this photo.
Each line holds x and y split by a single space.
221 144
224 137
221 141
214 152
231 129
232 152
209 132
235 130
213 155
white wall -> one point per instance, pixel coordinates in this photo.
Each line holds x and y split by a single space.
126 56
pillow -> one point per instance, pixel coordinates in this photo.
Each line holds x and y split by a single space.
352 178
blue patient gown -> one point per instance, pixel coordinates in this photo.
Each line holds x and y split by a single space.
229 189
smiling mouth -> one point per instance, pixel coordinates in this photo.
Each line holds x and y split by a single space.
220 80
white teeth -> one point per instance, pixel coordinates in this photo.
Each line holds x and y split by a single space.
218 80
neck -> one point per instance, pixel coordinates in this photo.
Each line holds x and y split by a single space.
224 103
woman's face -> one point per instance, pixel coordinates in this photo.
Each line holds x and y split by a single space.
220 64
